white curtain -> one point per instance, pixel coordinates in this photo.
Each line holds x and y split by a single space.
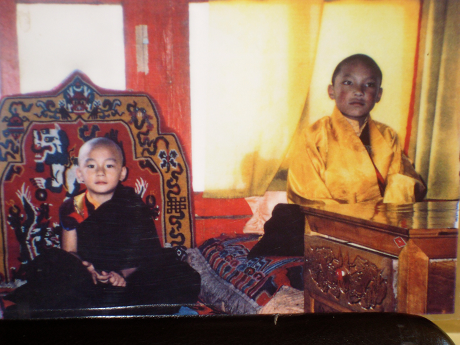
261 62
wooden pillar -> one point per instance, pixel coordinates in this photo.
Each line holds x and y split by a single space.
168 77
9 60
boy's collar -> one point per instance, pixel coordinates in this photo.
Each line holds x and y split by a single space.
353 123
92 201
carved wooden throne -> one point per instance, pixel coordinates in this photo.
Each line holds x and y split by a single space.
40 136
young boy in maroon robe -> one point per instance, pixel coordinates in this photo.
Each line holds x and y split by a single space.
111 252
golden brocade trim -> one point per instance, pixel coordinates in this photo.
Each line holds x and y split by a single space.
79 203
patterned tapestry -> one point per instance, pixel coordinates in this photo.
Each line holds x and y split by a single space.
243 285
40 136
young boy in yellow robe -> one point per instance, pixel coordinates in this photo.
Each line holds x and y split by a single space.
348 157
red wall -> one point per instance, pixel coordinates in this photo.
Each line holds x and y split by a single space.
214 217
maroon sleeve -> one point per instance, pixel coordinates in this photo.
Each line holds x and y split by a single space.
68 215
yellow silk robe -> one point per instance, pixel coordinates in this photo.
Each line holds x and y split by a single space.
333 166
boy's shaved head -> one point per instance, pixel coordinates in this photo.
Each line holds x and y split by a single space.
101 169
362 58
99 142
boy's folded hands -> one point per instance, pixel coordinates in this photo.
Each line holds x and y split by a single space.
113 278
116 279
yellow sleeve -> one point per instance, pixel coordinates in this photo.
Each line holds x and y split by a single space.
403 185
305 184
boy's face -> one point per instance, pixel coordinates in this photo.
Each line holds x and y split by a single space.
100 169
356 89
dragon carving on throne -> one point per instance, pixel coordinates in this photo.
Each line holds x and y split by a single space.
33 229
50 147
